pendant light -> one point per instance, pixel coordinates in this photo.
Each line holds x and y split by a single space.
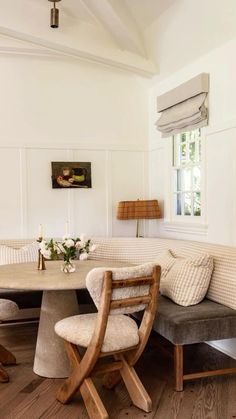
54 22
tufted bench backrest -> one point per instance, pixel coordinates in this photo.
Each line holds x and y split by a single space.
223 283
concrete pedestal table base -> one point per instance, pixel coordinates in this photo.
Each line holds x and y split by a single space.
50 357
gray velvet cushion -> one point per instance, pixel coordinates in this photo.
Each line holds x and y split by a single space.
199 323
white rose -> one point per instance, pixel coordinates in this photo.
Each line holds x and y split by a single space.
83 240
92 248
60 248
83 256
66 237
69 243
77 245
46 254
42 245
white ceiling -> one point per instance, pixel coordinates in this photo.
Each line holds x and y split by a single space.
141 36
145 12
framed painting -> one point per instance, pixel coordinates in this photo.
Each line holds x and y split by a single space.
71 175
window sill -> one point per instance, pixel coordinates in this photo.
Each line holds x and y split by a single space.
186 228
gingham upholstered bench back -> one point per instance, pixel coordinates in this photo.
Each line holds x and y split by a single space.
223 283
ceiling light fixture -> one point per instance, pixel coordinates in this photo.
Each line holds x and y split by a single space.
54 22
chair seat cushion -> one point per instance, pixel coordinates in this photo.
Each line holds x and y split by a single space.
199 323
121 332
7 309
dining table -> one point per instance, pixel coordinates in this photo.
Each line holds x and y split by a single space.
59 301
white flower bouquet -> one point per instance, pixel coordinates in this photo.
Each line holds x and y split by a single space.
69 248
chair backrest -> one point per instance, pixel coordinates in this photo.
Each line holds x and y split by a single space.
130 287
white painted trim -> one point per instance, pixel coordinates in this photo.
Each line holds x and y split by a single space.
224 351
63 50
29 52
158 147
186 228
23 156
225 126
75 146
71 196
23 163
118 21
108 195
145 184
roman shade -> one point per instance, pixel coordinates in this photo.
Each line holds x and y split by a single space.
184 108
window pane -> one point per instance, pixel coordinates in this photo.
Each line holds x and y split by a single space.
187 204
183 137
187 173
188 135
183 157
178 204
195 134
177 185
196 178
199 150
192 152
187 183
197 203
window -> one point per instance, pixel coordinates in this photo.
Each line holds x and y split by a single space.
187 174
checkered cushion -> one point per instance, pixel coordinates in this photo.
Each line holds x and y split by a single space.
186 280
27 253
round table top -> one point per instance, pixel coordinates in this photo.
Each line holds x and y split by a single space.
26 276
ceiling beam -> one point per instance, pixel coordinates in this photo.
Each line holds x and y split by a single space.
75 53
116 18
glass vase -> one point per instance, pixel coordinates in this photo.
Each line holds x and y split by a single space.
68 266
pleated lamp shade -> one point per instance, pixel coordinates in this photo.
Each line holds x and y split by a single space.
138 210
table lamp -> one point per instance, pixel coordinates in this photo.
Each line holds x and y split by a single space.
138 210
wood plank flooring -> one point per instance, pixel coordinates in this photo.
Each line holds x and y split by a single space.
28 396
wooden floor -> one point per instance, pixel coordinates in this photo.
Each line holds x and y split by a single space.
28 396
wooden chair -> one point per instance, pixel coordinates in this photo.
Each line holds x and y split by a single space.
7 309
110 333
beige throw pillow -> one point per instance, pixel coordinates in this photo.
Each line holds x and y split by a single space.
185 281
28 253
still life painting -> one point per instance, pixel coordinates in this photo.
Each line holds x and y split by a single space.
71 175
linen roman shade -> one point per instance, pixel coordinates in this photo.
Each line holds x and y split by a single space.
184 108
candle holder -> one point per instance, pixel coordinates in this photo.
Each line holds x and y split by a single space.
41 260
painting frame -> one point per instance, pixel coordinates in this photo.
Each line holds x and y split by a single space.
71 175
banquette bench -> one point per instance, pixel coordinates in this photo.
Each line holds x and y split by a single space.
212 319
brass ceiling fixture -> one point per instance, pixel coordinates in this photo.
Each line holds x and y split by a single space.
54 22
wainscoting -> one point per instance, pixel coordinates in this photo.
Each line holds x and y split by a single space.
118 173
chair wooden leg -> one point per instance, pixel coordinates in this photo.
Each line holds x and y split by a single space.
136 390
80 370
92 401
4 377
71 385
178 366
6 357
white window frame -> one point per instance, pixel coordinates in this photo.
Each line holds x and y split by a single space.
187 219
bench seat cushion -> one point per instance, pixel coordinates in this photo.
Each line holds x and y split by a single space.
199 323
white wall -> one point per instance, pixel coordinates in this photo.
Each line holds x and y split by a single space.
219 224
188 29
62 110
